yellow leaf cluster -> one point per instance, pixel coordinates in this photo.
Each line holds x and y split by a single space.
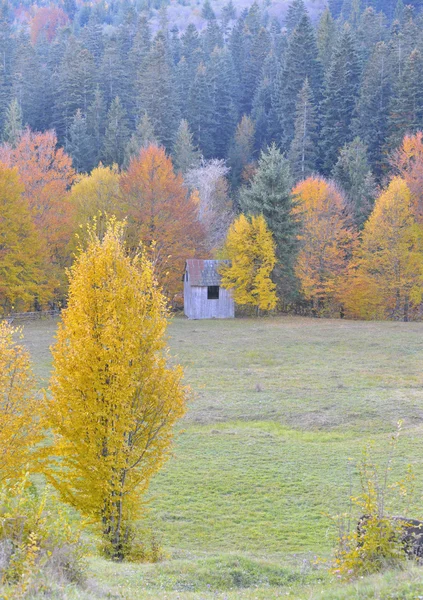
20 428
387 270
250 248
114 399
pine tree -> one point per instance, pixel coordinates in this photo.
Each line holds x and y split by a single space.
250 251
142 137
185 155
76 86
79 144
326 35
158 97
117 134
296 11
95 124
114 399
352 172
266 122
207 12
304 152
114 76
371 113
269 193
406 115
224 99
200 117
301 62
13 123
340 93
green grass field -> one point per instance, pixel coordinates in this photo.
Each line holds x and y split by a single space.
280 411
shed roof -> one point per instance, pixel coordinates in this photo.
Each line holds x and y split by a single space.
203 272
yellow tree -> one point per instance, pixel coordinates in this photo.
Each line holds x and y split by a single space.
250 250
20 428
23 257
114 399
95 196
386 274
326 240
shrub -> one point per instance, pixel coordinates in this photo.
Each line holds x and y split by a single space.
376 542
39 545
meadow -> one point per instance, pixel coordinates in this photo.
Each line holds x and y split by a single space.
281 409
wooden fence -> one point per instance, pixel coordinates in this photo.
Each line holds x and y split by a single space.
31 316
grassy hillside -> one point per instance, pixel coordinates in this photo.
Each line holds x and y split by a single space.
281 409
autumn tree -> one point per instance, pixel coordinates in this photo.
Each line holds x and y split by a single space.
96 196
386 275
407 162
114 399
162 214
251 254
46 173
20 427
23 257
326 242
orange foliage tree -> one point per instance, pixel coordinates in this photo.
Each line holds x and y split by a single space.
407 162
162 214
387 269
46 172
46 22
327 239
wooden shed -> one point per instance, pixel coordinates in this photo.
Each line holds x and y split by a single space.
204 298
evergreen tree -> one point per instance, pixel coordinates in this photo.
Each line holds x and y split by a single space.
185 155
158 97
114 76
92 39
301 62
352 172
296 11
76 86
371 30
207 12
117 134
266 122
303 153
191 49
326 35
241 152
95 124
212 38
269 194
13 123
79 144
223 90
200 116
142 137
228 13
406 115
371 120
340 93
335 7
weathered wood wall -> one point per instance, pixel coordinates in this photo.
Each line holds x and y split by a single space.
197 306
